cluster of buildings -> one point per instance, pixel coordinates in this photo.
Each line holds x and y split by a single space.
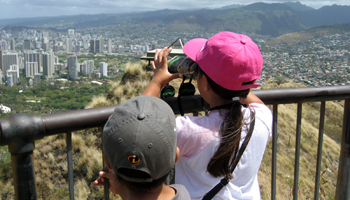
317 62
37 57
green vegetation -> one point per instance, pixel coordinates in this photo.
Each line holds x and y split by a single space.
43 98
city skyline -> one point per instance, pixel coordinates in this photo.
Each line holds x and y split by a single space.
38 8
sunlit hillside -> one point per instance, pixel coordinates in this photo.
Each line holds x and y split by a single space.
286 140
51 160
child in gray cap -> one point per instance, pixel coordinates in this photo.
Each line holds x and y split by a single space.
139 145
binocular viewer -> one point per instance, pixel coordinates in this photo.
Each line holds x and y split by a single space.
182 64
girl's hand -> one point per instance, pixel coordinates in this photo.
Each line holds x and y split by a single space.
161 74
160 67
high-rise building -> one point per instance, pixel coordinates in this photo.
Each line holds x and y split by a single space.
92 46
37 45
99 46
1 64
96 45
103 68
109 46
7 60
1 77
3 45
77 46
69 45
33 57
48 64
73 67
13 44
31 69
26 44
45 44
88 67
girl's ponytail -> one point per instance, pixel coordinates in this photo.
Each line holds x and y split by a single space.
230 131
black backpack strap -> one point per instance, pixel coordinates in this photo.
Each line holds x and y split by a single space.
226 179
216 189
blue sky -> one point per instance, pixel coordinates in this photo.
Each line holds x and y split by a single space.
41 8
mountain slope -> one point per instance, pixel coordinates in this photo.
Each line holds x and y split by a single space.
302 36
260 18
326 15
298 6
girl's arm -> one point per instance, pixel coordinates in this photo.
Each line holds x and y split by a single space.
161 74
251 98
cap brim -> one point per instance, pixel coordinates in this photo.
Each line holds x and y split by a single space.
193 47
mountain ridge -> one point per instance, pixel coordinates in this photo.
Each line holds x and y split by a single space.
261 18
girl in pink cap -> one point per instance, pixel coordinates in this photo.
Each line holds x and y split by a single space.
214 151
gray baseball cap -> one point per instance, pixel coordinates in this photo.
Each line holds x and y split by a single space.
140 135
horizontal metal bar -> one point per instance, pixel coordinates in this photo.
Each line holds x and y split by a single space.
305 94
96 117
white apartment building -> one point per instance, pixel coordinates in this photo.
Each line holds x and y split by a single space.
103 69
88 67
8 60
48 64
31 69
33 57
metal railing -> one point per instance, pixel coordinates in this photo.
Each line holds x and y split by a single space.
20 131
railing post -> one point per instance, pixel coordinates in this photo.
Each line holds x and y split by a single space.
23 175
297 152
19 132
105 168
274 152
70 165
319 149
343 181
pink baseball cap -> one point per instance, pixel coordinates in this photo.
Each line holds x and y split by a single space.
231 60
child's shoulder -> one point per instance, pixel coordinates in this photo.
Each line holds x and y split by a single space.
194 122
181 192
